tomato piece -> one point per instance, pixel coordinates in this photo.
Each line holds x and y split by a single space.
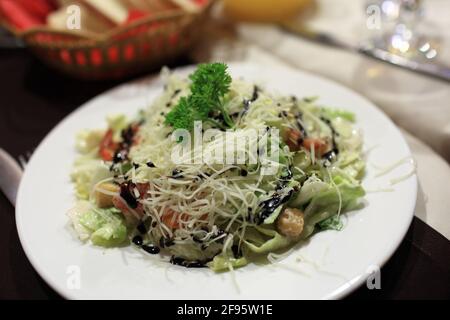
293 139
173 219
320 146
106 154
120 203
107 146
136 138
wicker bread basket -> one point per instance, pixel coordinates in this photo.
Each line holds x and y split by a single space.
144 44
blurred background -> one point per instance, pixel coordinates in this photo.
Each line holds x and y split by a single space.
101 41
57 54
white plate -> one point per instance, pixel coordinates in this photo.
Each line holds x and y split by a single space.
333 263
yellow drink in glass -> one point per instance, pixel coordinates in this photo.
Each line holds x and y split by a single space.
264 10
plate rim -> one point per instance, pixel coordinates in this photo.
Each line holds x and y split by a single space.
341 292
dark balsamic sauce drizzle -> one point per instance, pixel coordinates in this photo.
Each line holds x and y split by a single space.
203 175
177 174
137 240
299 121
142 228
236 251
331 155
248 102
269 206
197 240
255 93
283 114
186 263
123 150
165 243
126 192
175 93
284 181
151 249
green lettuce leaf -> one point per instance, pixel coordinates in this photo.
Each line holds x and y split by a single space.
268 240
107 226
110 235
271 219
310 188
352 165
80 208
325 204
332 223
92 220
338 113
221 263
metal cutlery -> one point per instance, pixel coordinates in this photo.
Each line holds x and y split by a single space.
10 175
427 68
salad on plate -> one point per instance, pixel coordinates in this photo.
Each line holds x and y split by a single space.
217 173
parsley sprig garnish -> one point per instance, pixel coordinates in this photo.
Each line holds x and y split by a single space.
210 83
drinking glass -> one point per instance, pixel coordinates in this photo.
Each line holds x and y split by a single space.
404 31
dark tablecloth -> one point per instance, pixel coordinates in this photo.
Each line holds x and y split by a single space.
34 99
